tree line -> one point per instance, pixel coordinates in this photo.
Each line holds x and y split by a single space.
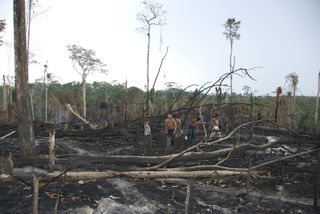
115 102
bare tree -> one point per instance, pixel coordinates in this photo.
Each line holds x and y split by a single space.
152 15
231 32
293 79
47 80
279 92
316 116
85 62
4 95
23 103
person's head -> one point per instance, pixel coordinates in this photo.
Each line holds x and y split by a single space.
169 115
146 122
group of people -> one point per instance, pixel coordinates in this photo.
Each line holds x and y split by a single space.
173 129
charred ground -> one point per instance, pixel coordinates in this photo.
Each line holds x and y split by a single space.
283 187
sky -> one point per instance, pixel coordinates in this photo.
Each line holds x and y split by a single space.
277 36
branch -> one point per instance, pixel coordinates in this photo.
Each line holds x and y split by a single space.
284 158
202 143
7 135
69 108
155 80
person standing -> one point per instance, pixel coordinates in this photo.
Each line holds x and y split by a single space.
147 133
179 126
170 130
193 126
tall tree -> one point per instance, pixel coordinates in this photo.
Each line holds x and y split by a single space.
85 62
316 115
231 32
2 27
23 104
152 15
47 79
279 92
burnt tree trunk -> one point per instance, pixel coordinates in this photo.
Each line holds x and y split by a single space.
51 145
147 108
35 201
279 91
23 103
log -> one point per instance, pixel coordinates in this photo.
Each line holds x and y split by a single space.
189 156
88 175
69 108
136 159
7 135
202 143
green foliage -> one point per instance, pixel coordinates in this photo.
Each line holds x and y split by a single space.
306 107
86 60
102 95
232 26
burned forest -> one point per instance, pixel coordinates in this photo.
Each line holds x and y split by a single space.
254 162
94 147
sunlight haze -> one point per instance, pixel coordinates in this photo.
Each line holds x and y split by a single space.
279 37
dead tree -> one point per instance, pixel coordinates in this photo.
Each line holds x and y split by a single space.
153 15
23 103
293 78
35 204
51 146
69 108
188 198
316 115
279 92
231 32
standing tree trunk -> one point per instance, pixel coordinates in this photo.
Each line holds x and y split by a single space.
148 58
231 68
279 92
316 116
51 146
5 98
32 104
46 105
4 94
84 98
23 103
126 102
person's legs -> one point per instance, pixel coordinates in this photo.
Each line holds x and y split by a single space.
193 136
150 140
170 140
168 145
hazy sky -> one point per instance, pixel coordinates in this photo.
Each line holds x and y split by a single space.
280 36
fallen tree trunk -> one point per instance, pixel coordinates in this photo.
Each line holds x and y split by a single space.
189 156
69 108
88 175
7 135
